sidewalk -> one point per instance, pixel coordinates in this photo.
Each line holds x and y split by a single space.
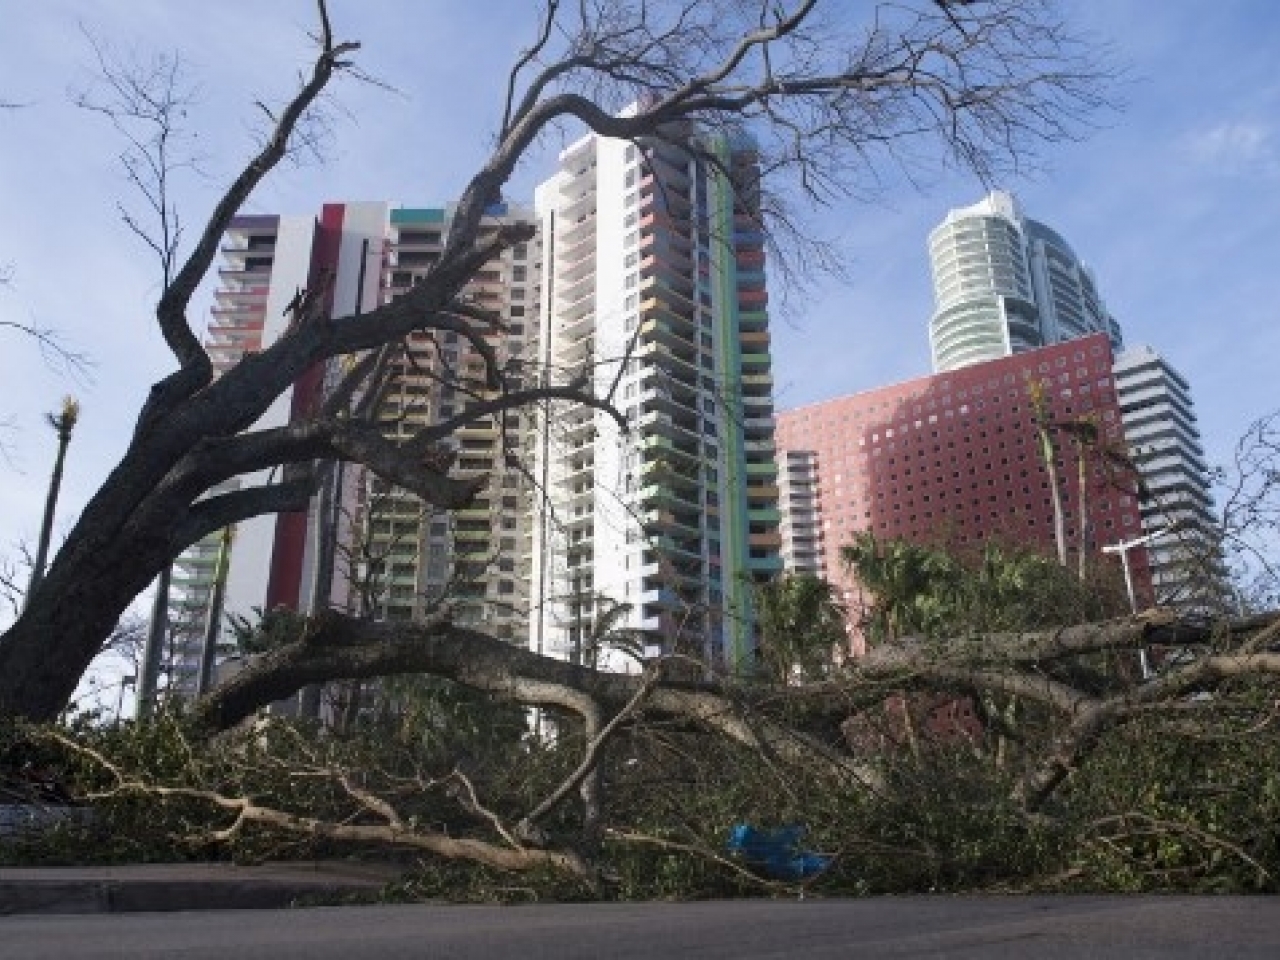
184 886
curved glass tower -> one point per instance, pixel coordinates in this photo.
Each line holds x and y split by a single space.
1004 284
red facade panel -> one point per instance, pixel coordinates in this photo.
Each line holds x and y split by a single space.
953 459
284 585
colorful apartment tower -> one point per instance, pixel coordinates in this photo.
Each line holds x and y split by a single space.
654 289
364 545
952 458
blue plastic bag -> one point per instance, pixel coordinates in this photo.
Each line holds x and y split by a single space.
776 853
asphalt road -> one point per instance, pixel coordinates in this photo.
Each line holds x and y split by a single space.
1045 928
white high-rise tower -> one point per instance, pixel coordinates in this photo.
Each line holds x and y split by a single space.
654 289
1004 284
1164 441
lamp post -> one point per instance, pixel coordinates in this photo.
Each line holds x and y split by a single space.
1122 548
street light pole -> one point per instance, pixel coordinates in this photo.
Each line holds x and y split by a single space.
1122 548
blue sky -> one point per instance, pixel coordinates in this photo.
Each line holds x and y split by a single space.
1174 201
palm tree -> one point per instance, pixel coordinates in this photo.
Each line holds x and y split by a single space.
801 625
1085 436
1040 416
913 588
1091 445
63 424
605 631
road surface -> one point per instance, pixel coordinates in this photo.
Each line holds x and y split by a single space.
961 927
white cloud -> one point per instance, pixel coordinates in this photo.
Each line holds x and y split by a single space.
1236 147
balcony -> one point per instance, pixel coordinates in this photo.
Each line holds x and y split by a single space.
677 367
655 309
577 230
765 565
673 422
583 265
578 247
570 289
655 447
255 295
661 495
656 289
676 549
576 205
576 352
665 475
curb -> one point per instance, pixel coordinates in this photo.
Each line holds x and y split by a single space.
176 887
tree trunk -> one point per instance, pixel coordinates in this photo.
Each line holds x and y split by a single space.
49 647
1082 506
1048 454
50 509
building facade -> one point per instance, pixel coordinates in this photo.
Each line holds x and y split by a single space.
365 546
801 528
1004 283
952 459
654 292
1178 514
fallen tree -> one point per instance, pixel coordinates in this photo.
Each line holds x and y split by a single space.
640 778
335 646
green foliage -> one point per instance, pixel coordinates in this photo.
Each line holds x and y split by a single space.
927 591
1163 806
1157 808
124 827
265 631
801 625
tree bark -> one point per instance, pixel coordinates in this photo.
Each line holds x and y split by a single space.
336 646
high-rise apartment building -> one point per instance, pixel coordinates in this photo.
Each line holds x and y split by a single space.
1004 283
265 260
364 545
801 527
953 458
1164 442
654 289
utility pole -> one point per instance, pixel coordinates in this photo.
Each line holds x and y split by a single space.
1122 548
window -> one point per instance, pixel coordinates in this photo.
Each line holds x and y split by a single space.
519 273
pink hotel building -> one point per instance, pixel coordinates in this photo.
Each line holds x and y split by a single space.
952 458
